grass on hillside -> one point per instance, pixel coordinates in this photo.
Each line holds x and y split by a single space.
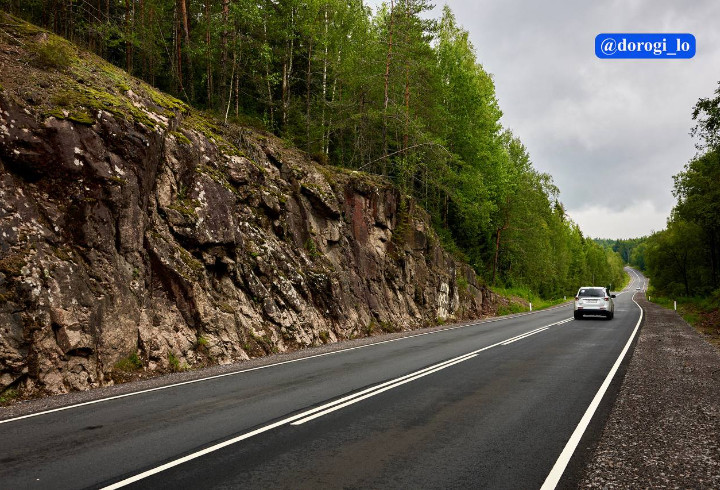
703 313
519 297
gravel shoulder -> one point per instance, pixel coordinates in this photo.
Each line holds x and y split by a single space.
663 430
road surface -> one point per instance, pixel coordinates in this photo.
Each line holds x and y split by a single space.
491 404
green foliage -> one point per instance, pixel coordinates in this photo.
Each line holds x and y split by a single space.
462 283
510 309
8 396
312 248
129 364
388 327
707 113
201 342
174 363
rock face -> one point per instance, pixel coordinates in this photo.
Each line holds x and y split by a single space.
139 237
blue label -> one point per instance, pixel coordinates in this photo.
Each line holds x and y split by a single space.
626 46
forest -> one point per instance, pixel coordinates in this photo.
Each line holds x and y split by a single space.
390 92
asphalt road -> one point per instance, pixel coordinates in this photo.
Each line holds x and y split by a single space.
478 406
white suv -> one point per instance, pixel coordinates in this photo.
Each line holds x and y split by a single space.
592 300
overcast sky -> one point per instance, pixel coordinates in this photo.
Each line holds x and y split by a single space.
612 133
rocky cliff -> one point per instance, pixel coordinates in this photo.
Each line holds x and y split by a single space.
136 234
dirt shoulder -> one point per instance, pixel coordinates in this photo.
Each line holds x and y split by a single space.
664 428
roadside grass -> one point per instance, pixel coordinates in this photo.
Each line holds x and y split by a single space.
703 313
519 297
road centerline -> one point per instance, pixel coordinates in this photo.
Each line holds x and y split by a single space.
324 409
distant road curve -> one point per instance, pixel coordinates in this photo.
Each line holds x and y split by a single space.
499 403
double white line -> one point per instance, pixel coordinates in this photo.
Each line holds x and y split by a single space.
327 408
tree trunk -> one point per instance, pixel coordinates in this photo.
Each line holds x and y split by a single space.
324 80
224 53
326 150
267 81
714 257
497 253
287 70
178 53
407 80
386 101
208 66
185 23
307 98
129 21
232 76
406 135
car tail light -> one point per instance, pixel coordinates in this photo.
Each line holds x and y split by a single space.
607 299
577 298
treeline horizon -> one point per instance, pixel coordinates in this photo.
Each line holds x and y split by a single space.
683 260
389 92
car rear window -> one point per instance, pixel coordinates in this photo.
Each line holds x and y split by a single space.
592 293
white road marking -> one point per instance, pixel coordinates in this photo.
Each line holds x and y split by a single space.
377 392
559 468
528 334
325 409
234 373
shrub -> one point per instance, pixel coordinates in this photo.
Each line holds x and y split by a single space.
201 341
174 363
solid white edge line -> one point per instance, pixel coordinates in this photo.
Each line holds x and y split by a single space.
234 373
307 415
559 468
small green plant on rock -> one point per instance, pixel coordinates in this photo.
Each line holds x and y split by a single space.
462 283
388 327
174 363
312 248
129 364
8 395
201 342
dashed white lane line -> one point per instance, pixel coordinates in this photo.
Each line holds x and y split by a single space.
327 408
